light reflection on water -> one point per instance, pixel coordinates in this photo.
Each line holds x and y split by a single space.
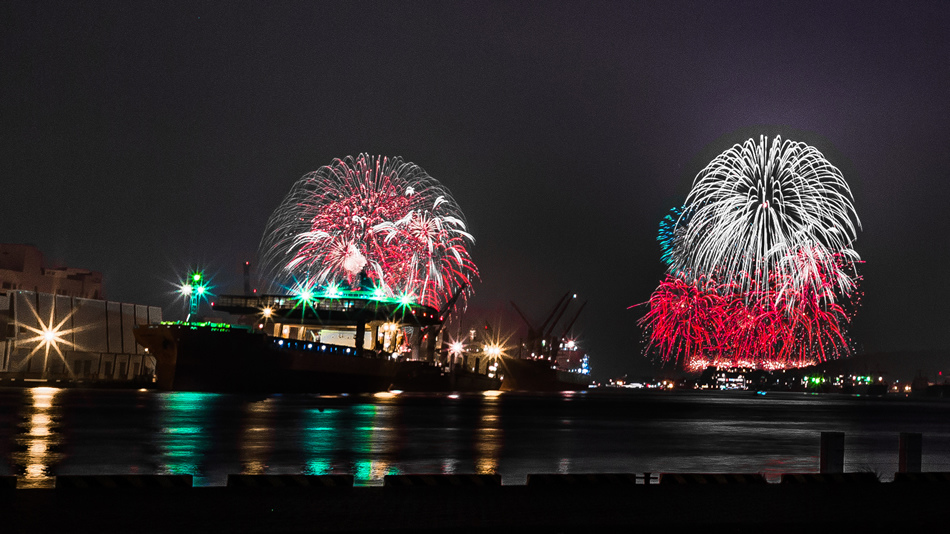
38 443
209 436
488 438
185 429
257 437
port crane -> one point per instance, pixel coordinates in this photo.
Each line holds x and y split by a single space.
540 342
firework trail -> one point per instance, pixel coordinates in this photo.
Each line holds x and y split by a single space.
370 217
761 269
756 204
684 318
671 234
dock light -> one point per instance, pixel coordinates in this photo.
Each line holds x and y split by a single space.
456 348
267 312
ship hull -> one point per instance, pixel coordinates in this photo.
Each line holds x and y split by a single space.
192 358
537 375
417 376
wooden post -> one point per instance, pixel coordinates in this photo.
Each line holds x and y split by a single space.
910 452
832 452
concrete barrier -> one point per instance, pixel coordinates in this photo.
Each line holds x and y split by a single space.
402 481
922 478
831 458
830 478
712 478
290 481
123 482
585 479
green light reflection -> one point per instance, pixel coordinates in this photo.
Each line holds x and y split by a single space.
184 436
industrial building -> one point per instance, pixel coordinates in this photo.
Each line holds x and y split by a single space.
55 329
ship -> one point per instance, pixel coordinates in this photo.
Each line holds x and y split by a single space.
332 343
436 377
568 371
547 361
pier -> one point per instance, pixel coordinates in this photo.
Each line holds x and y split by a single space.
443 503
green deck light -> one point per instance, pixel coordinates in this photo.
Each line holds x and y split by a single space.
195 289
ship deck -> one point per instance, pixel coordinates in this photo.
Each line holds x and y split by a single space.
345 310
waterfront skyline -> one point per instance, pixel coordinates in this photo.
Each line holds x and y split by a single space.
145 139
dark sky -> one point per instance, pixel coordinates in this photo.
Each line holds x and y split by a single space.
142 138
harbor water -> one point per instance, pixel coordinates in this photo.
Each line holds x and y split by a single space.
46 432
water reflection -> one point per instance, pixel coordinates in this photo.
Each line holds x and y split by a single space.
184 434
257 437
48 431
37 448
373 431
359 439
488 436
319 439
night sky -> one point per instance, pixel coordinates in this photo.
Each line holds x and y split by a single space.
140 139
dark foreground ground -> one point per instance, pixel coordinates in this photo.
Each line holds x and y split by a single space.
879 507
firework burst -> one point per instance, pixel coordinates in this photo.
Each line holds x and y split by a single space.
761 269
373 217
756 204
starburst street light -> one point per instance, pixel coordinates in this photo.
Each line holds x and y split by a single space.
50 335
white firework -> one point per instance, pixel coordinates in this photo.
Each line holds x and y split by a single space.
757 208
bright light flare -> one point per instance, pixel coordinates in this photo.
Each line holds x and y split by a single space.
50 336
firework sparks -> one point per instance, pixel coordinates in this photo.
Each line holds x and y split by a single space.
757 203
377 217
761 269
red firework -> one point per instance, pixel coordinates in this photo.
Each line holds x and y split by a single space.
704 323
685 319
375 217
